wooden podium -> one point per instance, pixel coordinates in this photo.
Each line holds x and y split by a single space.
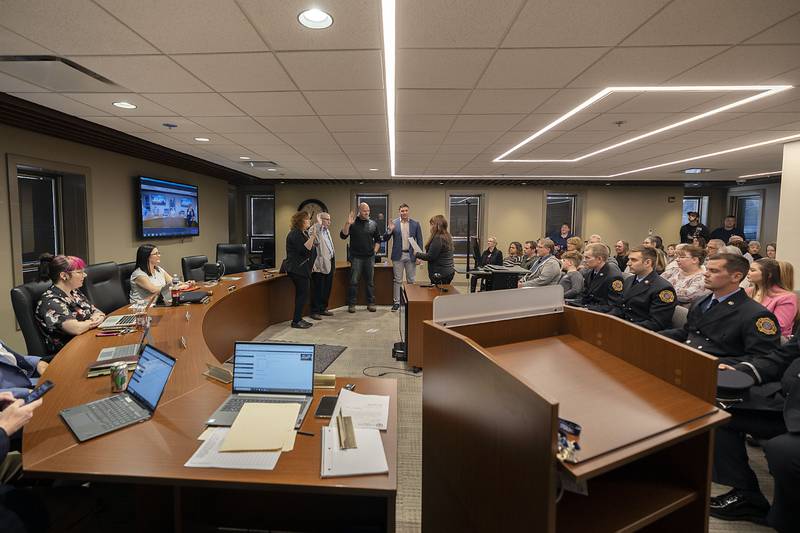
492 398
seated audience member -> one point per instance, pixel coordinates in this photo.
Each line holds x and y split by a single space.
572 280
727 230
687 279
732 249
787 275
528 254
611 259
772 249
490 256
19 373
767 289
514 257
772 412
648 300
63 311
575 244
693 229
743 249
673 263
546 269
714 247
754 249
602 286
622 248
655 242
560 239
700 242
439 252
149 278
595 238
670 253
728 323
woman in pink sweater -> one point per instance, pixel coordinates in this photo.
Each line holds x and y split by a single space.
767 289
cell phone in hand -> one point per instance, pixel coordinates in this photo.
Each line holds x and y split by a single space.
39 391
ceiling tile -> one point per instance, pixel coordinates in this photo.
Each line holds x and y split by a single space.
537 121
104 102
89 29
333 70
579 22
196 104
357 123
260 104
786 32
757 121
486 122
744 64
157 124
425 122
189 26
485 101
643 66
10 84
670 102
443 24
296 124
356 24
346 102
11 43
120 124
308 139
365 149
471 137
230 124
422 101
440 69
188 138
143 73
254 139
352 137
258 71
685 22
567 99
427 138
539 68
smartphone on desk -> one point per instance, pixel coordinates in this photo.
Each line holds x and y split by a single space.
39 391
326 406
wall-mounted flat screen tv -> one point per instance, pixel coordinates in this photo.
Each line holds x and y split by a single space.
167 208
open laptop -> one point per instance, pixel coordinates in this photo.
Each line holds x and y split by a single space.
136 404
126 350
125 321
268 372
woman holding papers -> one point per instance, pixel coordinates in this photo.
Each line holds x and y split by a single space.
300 256
438 252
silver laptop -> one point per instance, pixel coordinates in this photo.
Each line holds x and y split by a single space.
125 321
126 350
136 404
268 372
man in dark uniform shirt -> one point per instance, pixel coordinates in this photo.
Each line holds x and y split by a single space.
694 228
772 411
727 230
648 300
728 323
602 288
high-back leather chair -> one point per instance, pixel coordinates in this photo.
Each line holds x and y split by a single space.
192 267
104 287
233 257
24 299
125 271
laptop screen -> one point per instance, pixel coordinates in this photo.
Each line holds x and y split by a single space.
273 368
150 377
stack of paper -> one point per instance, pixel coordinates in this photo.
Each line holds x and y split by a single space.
367 411
368 458
209 456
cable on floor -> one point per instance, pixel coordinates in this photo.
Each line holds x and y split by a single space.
393 370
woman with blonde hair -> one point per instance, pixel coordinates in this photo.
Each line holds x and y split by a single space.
439 252
787 275
767 288
575 244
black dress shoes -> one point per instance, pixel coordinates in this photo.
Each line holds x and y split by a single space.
326 313
351 308
740 505
315 316
302 324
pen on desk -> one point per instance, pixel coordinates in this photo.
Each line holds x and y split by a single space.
107 334
306 433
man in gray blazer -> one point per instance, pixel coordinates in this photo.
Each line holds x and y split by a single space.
546 269
400 230
323 268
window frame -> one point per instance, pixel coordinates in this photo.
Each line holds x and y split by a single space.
733 202
478 222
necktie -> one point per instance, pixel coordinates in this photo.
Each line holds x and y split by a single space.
635 281
714 302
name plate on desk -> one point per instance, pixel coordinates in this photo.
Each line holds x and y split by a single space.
490 306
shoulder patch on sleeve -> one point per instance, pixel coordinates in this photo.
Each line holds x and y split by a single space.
666 296
617 285
766 326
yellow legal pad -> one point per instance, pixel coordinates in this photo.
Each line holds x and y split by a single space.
262 427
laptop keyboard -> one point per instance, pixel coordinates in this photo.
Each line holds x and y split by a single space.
114 412
234 405
126 320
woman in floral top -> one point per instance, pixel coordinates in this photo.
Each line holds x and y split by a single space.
688 278
63 312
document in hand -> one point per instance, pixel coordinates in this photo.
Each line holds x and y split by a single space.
367 411
413 242
262 426
368 458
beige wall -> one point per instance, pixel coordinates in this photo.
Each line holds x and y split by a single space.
789 217
110 199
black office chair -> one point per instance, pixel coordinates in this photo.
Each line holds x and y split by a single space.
103 287
24 299
233 256
192 267
125 271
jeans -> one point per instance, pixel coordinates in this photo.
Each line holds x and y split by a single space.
405 263
320 291
300 295
362 266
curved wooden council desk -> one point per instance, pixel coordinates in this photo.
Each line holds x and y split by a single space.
153 453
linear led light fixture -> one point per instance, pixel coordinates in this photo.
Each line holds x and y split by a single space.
762 174
388 21
763 92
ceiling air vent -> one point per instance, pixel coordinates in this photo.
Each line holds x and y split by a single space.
56 73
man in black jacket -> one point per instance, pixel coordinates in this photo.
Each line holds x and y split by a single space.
648 300
602 287
728 323
772 412
365 241
694 228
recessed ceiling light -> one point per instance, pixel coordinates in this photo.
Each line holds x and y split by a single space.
244 157
125 105
524 183
315 19
696 170
202 139
272 170
374 169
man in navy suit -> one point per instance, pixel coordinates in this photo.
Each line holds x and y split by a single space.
19 373
400 230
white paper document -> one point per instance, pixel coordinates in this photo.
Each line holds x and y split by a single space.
413 242
209 456
368 411
368 458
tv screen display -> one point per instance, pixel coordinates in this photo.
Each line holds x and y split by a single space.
167 209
